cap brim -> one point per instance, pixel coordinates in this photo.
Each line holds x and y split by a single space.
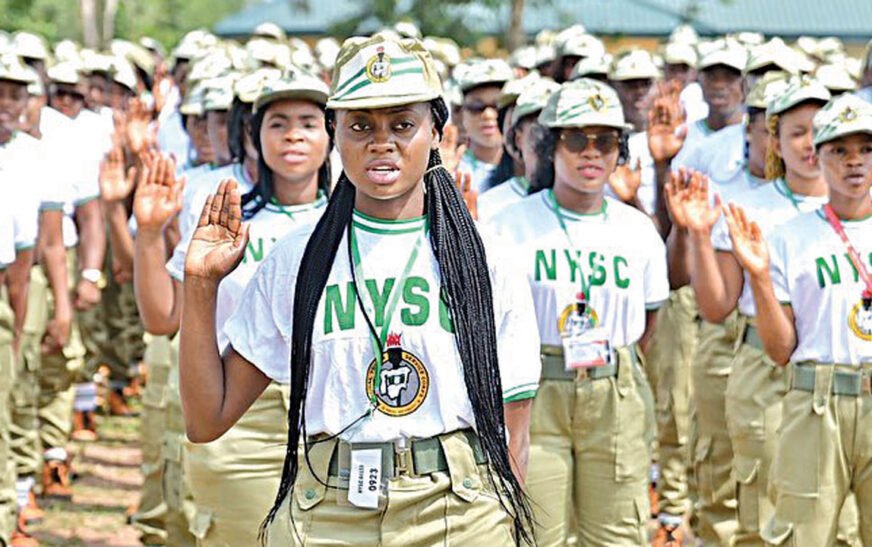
316 97
380 102
867 129
598 123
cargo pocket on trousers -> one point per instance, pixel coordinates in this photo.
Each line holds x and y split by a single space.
200 524
746 476
795 468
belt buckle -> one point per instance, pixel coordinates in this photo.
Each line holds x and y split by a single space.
403 464
583 373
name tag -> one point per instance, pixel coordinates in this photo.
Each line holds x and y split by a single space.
586 349
365 480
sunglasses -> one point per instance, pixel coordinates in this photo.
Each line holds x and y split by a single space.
61 92
478 107
578 141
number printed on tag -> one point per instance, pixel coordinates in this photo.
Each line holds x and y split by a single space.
364 485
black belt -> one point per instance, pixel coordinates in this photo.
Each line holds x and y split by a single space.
421 457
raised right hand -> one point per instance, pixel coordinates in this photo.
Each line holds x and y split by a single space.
449 149
159 194
218 244
700 214
115 184
749 246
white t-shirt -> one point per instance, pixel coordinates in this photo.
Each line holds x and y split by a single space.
720 152
622 255
267 227
172 137
422 391
496 199
7 233
29 185
812 272
769 205
480 170
695 107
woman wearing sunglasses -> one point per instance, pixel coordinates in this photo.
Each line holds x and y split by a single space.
597 269
409 350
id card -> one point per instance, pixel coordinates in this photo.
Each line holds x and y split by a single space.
365 480
587 349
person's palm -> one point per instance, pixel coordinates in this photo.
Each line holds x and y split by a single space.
749 246
115 184
699 213
138 127
625 181
218 244
665 125
463 181
158 196
449 149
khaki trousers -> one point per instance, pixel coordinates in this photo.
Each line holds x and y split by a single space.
8 501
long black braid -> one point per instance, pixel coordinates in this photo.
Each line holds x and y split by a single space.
467 291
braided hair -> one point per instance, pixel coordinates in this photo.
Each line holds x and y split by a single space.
264 191
467 291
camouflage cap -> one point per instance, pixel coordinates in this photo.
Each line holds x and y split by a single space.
773 53
837 77
676 53
67 51
12 69
29 45
727 52
634 64
407 29
379 72
485 71
844 115
592 66
123 73
513 88
269 30
523 57
583 103
326 51
292 84
581 45
545 53
248 87
684 34
533 99
153 45
799 89
219 92
766 88
65 73
192 104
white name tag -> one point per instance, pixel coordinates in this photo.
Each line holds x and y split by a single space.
364 484
588 349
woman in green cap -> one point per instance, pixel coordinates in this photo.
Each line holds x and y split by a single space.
233 479
597 269
812 291
410 352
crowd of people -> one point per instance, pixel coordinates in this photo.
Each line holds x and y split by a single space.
377 293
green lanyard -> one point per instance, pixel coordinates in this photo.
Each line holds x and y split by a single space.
378 343
785 189
585 282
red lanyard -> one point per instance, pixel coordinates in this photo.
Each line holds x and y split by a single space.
852 252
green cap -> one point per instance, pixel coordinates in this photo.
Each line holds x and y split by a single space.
533 98
799 89
634 64
583 103
592 66
292 84
766 88
380 72
727 52
844 115
12 69
485 71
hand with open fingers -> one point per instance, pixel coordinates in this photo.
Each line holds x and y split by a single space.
625 181
449 149
139 134
666 128
700 214
463 181
218 244
115 184
159 194
749 246
159 87
675 192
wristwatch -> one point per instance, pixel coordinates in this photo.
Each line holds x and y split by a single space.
95 276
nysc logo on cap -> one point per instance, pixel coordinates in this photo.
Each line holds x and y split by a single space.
378 68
